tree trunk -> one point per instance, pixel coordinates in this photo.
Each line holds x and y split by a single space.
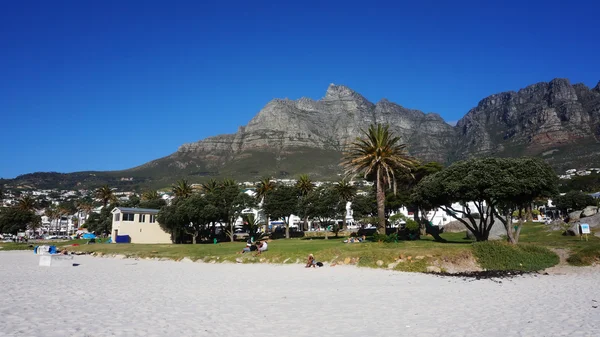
380 205
194 238
508 227
231 228
305 225
287 230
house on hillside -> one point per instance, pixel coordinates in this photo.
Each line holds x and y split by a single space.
139 224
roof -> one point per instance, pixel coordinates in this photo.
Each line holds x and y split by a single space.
136 210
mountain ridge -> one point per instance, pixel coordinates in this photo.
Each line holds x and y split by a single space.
555 120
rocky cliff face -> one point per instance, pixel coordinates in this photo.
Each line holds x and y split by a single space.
288 127
556 120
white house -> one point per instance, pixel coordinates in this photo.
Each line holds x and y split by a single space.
139 224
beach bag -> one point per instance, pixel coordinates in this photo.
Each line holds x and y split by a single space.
320 264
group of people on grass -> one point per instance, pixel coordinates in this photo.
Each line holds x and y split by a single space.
353 239
258 247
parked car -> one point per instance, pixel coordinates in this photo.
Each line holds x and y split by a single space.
240 234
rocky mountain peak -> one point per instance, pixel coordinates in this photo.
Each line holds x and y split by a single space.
340 92
597 87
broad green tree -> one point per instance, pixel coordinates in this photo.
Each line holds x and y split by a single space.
324 204
14 219
378 154
169 220
195 214
281 203
496 186
574 201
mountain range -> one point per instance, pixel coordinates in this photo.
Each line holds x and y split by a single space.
555 120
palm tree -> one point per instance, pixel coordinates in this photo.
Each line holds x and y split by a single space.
86 208
228 182
182 189
210 186
263 188
304 185
378 154
346 192
53 213
150 195
105 194
26 203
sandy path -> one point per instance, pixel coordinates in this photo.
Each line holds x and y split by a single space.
111 297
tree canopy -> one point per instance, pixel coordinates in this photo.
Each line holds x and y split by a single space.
496 186
280 203
573 201
14 219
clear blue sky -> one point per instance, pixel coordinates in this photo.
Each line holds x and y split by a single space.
103 85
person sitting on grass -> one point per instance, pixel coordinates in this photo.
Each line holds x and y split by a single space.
262 247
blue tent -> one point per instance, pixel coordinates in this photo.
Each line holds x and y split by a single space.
89 236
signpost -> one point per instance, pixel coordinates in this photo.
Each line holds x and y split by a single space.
584 229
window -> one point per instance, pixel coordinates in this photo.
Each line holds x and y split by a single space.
128 216
152 218
117 216
142 217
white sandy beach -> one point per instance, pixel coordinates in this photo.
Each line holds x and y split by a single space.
113 297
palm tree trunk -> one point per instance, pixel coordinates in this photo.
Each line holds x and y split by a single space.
380 205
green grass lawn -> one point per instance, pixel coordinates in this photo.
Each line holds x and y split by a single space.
404 255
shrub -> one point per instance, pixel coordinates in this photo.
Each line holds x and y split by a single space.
412 226
494 255
385 238
585 257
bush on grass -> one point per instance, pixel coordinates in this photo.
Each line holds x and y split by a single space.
494 255
385 238
585 256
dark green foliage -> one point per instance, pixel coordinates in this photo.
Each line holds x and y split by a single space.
152 204
364 205
494 255
412 226
13 220
385 238
68 207
586 256
101 223
497 186
280 203
589 183
574 200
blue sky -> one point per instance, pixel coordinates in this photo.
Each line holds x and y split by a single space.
107 85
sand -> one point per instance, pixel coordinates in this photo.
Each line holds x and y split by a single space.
128 297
